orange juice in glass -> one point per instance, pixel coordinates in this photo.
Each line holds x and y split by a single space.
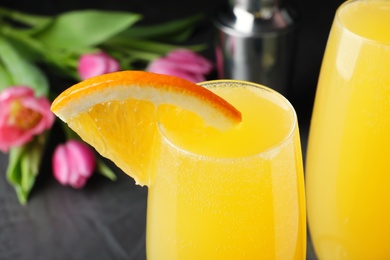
348 161
222 161
232 195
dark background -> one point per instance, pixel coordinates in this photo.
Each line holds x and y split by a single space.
106 220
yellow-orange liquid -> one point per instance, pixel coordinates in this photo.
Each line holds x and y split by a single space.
232 195
348 159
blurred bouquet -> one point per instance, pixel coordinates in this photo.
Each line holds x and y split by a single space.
75 45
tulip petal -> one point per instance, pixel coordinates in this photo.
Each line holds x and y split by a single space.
95 64
182 63
15 92
90 66
193 62
73 163
111 64
60 164
13 133
82 157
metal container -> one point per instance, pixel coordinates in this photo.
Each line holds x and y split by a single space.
255 42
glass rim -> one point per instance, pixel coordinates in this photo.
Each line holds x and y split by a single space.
355 34
269 151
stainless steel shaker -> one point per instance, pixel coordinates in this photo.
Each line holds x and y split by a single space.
255 41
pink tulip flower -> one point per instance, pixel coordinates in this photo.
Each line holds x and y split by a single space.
182 63
22 116
95 64
73 163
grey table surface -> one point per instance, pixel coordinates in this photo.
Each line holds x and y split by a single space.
106 220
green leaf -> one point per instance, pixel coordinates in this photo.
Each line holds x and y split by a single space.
13 169
5 78
64 64
28 47
28 176
152 47
135 55
85 28
24 18
22 71
14 172
35 151
23 166
174 31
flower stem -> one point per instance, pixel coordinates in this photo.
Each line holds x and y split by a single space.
28 19
104 170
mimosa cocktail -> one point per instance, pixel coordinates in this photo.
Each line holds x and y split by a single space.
229 195
222 161
348 161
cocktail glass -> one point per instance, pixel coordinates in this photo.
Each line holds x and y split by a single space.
347 166
232 195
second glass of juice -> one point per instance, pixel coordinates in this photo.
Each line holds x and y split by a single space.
236 194
347 164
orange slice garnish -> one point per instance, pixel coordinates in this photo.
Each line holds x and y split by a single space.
116 113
